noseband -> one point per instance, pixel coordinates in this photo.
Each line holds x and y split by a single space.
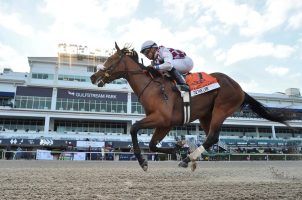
107 72
126 72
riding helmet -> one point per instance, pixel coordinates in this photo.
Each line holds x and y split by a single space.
147 45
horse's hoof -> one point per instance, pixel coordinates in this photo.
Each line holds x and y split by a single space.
144 165
183 164
193 166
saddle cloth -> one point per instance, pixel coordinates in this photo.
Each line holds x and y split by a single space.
201 82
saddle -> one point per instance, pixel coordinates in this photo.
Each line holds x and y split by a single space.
199 82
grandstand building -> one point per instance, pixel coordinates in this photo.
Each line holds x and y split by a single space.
55 106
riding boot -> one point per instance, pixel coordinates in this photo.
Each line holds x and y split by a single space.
179 80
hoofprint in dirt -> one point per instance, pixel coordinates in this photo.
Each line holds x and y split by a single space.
164 180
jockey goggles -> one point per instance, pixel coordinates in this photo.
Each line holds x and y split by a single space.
145 50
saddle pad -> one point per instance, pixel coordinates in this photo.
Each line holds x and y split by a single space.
201 82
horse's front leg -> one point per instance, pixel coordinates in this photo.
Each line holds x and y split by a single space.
137 151
150 121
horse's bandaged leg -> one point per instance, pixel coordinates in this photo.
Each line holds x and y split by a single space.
197 153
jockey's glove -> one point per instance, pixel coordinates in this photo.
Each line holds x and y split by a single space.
156 67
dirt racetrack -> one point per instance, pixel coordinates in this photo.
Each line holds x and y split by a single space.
164 180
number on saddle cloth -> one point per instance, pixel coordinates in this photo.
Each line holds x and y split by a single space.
199 79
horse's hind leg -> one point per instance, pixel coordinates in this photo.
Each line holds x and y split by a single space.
215 125
212 138
205 123
219 114
157 137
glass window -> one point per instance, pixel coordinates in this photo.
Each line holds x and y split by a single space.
76 105
103 107
59 104
50 76
70 104
22 124
42 76
81 105
91 69
92 106
137 108
86 107
48 103
29 102
17 102
74 78
60 77
64 104
97 107
36 104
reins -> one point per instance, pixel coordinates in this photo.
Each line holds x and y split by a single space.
126 74
141 71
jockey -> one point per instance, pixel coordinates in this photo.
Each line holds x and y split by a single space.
167 59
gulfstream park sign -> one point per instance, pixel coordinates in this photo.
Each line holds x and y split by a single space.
91 95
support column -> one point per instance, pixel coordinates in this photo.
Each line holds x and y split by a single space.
54 99
257 132
129 103
197 132
129 124
273 132
46 125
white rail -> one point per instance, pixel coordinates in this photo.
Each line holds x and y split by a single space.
119 156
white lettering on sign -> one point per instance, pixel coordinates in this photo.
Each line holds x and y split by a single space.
92 95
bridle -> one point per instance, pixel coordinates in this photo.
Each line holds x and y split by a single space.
108 70
125 73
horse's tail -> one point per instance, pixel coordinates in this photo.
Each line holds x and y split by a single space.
263 112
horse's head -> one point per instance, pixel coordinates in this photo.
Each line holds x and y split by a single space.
114 67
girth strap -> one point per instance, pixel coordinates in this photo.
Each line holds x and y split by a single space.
186 102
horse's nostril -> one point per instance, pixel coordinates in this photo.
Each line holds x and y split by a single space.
100 84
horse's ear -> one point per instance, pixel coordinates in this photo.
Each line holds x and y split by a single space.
118 49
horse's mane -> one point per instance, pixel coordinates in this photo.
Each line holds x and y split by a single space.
129 51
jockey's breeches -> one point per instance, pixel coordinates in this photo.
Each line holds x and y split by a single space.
183 65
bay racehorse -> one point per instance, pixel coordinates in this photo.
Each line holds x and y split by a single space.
163 104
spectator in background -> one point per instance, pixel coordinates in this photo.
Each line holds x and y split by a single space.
8 154
18 154
182 148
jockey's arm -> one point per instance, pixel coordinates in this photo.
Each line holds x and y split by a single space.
167 57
